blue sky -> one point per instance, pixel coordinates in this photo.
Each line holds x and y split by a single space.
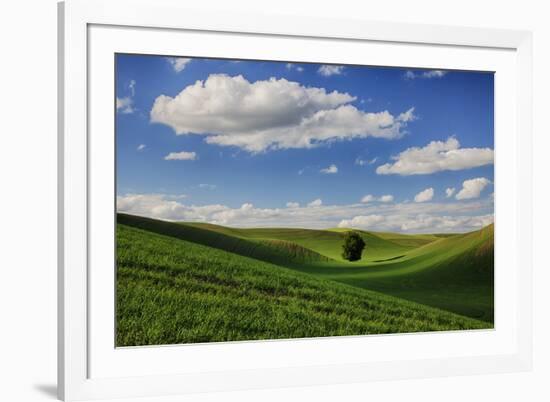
258 143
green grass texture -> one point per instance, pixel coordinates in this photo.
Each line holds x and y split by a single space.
446 271
171 291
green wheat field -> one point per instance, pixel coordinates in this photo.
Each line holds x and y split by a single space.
194 282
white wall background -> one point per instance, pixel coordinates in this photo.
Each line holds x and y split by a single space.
28 199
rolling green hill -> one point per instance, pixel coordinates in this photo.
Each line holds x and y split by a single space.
449 271
446 272
453 273
270 250
171 291
324 242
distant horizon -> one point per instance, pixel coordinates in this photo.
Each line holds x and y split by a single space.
310 228
244 143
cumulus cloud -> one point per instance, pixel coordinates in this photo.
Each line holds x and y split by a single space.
419 223
141 147
271 114
181 156
371 198
368 198
450 191
332 169
411 75
125 105
425 195
247 211
472 188
178 63
406 217
437 156
327 70
361 221
161 206
291 204
315 203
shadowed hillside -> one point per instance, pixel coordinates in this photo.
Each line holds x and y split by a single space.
270 250
453 272
172 291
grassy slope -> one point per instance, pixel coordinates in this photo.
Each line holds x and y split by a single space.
270 250
448 271
173 291
451 272
325 242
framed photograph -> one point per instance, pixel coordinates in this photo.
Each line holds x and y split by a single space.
253 201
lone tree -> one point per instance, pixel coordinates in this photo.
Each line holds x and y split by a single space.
353 246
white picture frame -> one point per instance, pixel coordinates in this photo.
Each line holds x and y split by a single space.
89 367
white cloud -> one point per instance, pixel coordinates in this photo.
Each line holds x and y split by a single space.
161 206
175 196
437 156
446 223
141 147
411 75
178 63
450 191
181 156
407 217
472 188
434 74
425 195
327 70
132 87
207 186
124 105
368 198
362 221
332 169
271 114
418 223
291 204
292 66
371 198
315 203
363 162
